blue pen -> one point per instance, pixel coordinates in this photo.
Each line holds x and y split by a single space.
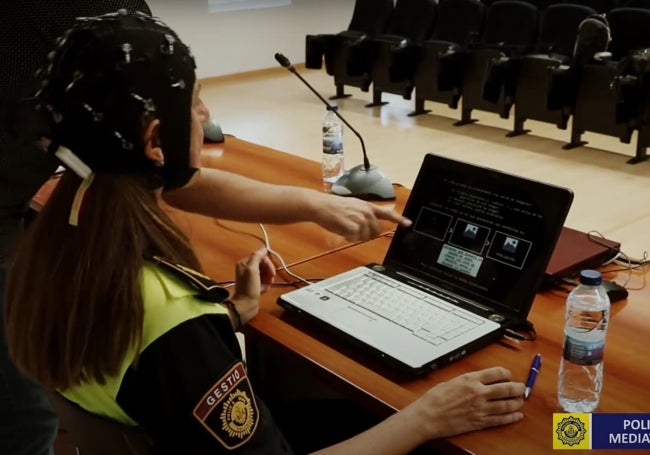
532 375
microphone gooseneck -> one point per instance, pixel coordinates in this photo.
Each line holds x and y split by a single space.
284 62
364 181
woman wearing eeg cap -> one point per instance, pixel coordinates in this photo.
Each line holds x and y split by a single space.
97 306
102 87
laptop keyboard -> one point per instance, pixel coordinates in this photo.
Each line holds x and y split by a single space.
428 317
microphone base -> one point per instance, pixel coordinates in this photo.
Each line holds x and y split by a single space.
370 184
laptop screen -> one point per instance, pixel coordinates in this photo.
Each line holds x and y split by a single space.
482 234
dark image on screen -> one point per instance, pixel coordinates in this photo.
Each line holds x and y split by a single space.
470 236
432 223
509 250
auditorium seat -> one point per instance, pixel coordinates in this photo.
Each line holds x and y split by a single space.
438 67
510 32
643 94
555 44
346 53
632 84
607 98
394 52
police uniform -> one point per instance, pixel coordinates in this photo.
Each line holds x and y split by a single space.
189 386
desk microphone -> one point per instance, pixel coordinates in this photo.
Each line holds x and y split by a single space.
365 181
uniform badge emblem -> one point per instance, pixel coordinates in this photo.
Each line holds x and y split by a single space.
237 415
571 431
228 410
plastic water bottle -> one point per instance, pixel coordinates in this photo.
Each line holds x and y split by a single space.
333 165
580 378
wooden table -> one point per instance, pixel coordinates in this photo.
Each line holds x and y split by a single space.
627 370
316 253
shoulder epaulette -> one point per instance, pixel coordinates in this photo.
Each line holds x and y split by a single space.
208 289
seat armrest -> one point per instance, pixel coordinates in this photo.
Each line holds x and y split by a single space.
603 56
352 37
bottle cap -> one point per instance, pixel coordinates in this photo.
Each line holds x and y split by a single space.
333 107
590 277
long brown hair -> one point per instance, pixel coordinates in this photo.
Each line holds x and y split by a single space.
73 298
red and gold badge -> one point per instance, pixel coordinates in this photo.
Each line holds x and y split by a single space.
228 410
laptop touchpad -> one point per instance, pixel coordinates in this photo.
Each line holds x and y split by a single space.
351 317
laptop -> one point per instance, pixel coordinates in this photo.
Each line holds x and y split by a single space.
467 268
575 251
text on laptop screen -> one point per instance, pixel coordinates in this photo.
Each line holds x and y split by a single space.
479 233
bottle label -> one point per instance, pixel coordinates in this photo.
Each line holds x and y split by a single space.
332 146
583 352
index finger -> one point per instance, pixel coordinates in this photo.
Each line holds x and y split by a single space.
387 213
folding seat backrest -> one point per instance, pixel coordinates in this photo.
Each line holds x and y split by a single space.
393 54
645 4
510 25
539 4
559 28
543 4
413 19
371 16
489 67
438 74
630 28
601 6
459 21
